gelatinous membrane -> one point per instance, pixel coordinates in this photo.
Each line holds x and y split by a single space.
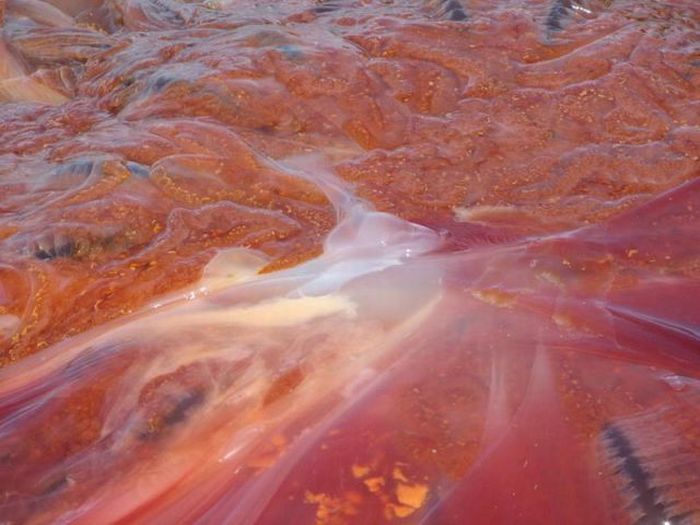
349 262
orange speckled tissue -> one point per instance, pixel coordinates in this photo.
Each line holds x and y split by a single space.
349 262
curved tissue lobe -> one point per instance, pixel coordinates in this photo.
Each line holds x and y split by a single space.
349 262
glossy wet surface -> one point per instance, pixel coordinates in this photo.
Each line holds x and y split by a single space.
349 262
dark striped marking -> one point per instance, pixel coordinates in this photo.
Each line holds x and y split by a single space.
639 480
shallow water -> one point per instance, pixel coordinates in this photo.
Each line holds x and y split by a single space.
349 262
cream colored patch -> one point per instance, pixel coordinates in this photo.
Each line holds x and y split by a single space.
481 213
232 266
274 313
290 312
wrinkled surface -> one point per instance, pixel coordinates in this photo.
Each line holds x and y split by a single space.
349 262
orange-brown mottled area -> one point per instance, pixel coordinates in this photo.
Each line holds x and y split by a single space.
551 379
139 137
